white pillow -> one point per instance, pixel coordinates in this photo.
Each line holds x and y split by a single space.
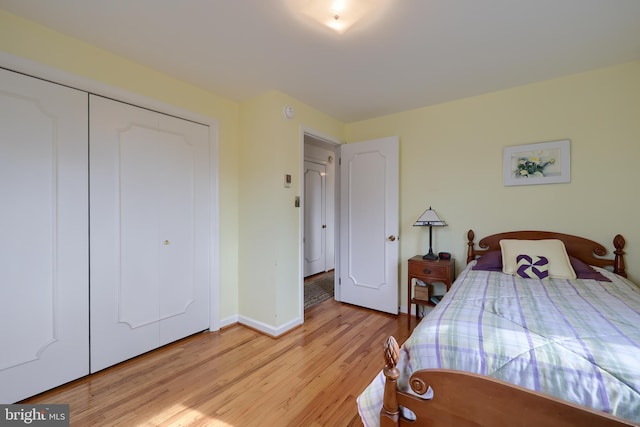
552 249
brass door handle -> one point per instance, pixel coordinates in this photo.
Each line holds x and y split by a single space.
391 238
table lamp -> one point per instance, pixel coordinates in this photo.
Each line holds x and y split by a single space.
430 218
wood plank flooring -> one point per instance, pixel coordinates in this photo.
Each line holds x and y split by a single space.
239 377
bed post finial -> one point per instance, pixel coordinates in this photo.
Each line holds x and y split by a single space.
618 262
470 251
389 414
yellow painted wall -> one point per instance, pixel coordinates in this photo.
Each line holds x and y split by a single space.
270 231
259 225
37 43
451 159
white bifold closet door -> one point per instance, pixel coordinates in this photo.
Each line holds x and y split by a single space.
149 219
44 255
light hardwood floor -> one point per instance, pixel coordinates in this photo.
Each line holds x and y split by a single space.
239 377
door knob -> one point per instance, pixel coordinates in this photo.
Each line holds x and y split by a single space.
391 238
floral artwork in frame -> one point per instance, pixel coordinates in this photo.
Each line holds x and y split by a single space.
540 163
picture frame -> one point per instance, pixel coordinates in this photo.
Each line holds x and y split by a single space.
539 163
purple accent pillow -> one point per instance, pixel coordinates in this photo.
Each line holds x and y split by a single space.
532 267
585 271
490 261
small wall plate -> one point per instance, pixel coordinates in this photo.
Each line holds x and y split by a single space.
288 112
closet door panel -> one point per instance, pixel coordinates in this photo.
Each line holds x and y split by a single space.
184 304
149 219
44 233
159 163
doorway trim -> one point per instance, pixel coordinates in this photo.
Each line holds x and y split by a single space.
335 143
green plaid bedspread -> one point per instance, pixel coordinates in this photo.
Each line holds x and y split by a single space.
578 340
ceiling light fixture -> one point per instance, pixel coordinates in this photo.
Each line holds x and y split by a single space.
339 15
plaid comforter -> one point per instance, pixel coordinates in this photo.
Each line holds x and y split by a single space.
578 340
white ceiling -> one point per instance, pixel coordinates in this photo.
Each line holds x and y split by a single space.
416 53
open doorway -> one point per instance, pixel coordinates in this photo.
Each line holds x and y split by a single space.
364 238
319 228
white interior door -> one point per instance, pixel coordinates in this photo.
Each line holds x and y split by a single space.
44 258
369 224
149 214
314 218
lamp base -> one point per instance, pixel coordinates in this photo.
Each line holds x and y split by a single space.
430 255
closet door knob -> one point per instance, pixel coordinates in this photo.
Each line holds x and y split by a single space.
391 238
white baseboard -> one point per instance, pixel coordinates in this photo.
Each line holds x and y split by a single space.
228 321
271 330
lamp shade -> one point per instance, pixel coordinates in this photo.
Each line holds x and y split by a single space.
429 218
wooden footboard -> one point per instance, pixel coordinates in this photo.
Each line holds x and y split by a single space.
463 399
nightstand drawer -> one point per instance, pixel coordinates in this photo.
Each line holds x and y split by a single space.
431 270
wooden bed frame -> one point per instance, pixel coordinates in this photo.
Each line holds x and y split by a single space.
464 399
585 250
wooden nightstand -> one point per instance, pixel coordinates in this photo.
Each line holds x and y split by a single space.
428 271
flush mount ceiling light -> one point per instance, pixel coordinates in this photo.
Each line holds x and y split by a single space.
339 15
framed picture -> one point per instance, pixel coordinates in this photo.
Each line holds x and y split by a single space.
541 163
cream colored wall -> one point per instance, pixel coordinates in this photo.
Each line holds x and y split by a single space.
451 159
270 250
259 225
37 43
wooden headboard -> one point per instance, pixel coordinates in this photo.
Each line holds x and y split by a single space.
585 250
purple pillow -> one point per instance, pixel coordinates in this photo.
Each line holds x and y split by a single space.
585 271
490 261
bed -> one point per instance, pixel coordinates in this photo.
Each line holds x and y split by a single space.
530 347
